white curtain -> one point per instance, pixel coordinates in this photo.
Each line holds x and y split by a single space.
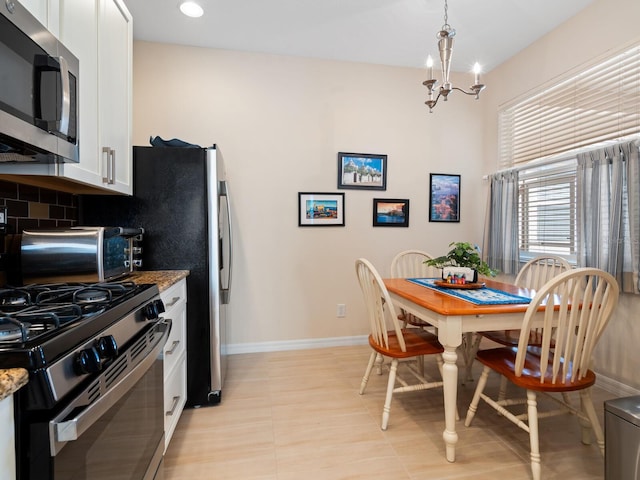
608 210
502 223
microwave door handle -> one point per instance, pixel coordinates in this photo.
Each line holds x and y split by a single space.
45 63
65 106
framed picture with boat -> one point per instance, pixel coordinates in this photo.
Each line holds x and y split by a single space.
444 197
363 171
390 212
320 209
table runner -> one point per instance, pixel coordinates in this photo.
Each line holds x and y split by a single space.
480 296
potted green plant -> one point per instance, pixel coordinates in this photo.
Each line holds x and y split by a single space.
463 254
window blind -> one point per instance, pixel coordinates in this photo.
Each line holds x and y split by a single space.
547 210
600 104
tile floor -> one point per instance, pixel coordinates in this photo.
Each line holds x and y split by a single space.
297 415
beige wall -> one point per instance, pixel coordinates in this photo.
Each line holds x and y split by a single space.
279 122
605 27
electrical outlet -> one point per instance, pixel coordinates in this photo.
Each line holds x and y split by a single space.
341 311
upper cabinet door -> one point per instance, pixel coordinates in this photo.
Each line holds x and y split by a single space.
46 11
99 32
79 33
115 34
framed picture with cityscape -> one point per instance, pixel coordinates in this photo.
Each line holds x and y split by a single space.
320 209
389 212
362 171
444 198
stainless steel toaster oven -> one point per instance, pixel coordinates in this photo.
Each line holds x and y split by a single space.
79 254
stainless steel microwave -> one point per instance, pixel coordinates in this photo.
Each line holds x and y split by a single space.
38 91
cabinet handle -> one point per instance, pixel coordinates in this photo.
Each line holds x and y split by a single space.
113 167
174 405
173 301
105 164
174 345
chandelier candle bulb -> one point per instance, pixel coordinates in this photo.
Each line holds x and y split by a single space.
429 68
476 71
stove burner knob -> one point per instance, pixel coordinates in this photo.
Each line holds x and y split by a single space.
88 361
153 310
107 347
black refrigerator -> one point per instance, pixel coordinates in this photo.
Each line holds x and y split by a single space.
180 198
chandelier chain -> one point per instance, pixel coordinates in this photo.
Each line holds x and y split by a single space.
446 14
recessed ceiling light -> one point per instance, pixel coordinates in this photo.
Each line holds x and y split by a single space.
191 9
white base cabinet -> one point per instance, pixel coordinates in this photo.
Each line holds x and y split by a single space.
7 441
175 357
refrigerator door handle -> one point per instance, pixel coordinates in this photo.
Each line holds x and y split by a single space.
226 292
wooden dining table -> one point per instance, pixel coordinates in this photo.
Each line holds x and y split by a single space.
455 319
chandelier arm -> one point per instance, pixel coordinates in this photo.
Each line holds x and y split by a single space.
463 91
433 103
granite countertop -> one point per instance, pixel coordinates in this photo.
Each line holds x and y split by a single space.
11 379
163 278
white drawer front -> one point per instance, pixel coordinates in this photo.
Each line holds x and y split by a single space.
174 299
175 294
175 396
176 343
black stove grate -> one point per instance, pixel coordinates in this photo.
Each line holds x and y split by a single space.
38 323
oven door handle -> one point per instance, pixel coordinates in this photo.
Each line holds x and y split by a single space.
63 429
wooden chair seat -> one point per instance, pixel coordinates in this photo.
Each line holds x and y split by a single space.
418 343
410 319
503 360
511 337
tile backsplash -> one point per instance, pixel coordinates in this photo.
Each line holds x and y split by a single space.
35 207
29 207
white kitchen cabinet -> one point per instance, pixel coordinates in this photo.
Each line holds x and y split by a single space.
99 33
7 441
175 356
46 11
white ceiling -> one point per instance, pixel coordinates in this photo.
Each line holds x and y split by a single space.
387 32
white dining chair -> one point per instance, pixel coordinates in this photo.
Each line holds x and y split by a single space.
570 312
388 339
533 275
410 264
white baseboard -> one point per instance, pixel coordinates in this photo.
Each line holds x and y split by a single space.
610 385
613 386
296 344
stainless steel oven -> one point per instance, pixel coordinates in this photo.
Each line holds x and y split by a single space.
120 436
93 407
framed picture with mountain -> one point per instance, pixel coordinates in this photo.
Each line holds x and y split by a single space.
444 197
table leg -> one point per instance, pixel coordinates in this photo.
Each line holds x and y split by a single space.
450 386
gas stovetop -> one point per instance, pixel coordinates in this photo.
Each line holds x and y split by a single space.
39 323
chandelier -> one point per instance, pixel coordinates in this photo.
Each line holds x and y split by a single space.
445 46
